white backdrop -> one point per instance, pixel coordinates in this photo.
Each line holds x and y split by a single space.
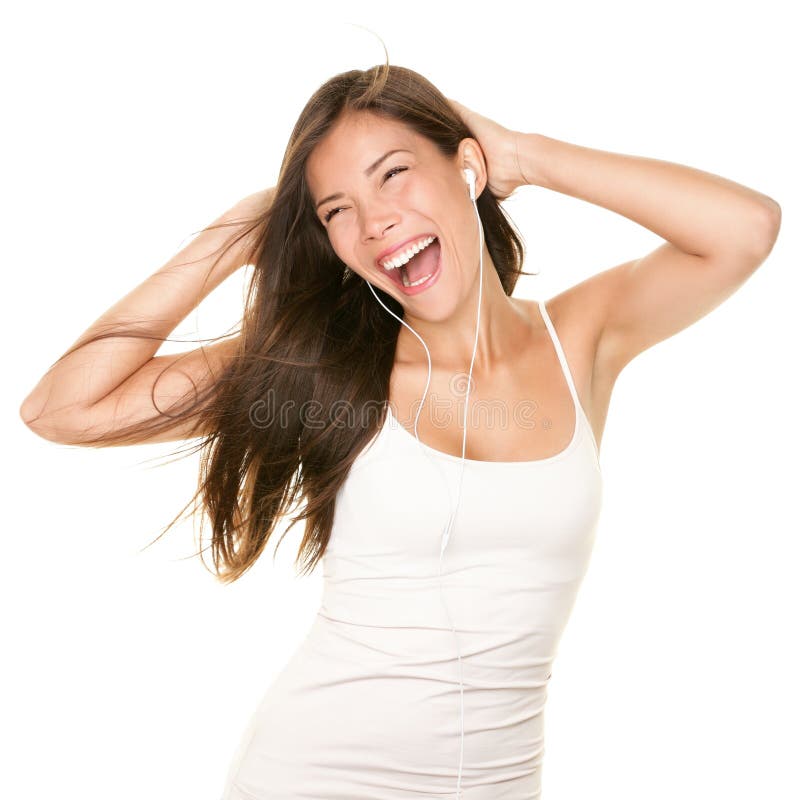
128 127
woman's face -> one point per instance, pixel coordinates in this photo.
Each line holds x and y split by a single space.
411 194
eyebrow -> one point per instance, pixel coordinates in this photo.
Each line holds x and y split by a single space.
368 171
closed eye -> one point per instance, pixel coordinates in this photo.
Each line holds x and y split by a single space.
391 172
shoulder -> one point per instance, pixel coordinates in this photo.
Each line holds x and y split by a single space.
581 313
578 316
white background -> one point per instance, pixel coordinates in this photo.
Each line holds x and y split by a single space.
131 673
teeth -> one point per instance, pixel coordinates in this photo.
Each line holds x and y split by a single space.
406 283
406 255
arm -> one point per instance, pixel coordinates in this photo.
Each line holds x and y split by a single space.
717 233
107 383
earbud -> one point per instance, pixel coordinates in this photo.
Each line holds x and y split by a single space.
470 178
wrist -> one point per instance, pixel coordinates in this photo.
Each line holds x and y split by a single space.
256 203
529 148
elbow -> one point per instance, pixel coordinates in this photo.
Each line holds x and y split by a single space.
52 428
28 411
762 233
770 227
39 426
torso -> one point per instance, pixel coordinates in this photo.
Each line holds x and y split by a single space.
448 642
531 374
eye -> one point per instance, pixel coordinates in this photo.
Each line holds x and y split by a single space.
391 172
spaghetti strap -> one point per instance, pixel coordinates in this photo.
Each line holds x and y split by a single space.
560 352
568 375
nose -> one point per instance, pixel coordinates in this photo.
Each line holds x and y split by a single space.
377 217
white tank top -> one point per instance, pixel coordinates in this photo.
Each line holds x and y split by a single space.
369 705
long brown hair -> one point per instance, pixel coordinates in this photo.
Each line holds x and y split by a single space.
316 349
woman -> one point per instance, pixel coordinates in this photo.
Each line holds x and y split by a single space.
384 273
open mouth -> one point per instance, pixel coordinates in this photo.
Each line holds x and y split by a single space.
420 272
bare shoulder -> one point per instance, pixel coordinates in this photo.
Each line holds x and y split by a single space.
583 309
578 322
577 314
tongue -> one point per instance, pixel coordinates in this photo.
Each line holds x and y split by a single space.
423 263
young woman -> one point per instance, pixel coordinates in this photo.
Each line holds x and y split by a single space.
379 319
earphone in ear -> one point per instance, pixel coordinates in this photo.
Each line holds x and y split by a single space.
470 177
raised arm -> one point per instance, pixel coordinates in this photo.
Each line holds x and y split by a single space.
98 387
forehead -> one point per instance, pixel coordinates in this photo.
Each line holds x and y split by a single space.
352 144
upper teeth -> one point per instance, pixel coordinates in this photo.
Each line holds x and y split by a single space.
407 254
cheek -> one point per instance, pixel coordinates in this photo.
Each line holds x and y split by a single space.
342 250
423 195
434 200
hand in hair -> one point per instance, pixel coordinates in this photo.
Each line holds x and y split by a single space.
499 145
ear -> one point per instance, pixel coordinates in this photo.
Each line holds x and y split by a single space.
471 155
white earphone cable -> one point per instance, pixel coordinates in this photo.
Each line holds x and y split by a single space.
470 178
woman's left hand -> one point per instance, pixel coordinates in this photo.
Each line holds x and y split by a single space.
499 145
